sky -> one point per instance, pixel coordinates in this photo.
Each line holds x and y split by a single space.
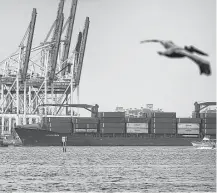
117 69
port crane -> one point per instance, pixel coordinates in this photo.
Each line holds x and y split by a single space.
47 73
200 106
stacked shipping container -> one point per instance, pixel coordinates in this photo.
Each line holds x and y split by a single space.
208 123
117 123
59 124
112 122
188 126
137 125
85 125
163 123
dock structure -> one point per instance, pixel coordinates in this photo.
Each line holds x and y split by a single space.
46 74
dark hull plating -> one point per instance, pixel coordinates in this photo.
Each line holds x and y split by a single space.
40 137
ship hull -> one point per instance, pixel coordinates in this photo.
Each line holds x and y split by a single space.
41 137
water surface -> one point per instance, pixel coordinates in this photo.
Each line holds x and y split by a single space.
107 169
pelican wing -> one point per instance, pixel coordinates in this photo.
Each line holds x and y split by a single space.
165 44
145 41
204 65
196 50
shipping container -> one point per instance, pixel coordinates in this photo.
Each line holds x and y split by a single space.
164 120
112 120
59 129
85 130
61 125
137 125
188 125
209 120
188 120
85 120
137 120
85 125
163 131
163 125
111 114
60 122
112 125
137 130
209 126
188 131
112 130
164 115
60 118
210 131
208 115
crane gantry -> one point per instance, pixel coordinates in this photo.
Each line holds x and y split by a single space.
31 76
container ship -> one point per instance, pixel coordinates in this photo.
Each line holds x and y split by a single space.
115 129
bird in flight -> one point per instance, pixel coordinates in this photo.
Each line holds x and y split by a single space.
174 51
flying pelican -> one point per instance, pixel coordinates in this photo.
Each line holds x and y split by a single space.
174 51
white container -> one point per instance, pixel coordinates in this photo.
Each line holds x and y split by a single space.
91 130
85 130
189 131
188 125
137 125
137 130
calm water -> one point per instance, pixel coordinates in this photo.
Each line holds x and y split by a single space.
107 169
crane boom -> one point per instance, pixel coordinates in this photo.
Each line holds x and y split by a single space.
201 106
77 51
91 108
57 21
82 50
56 50
67 42
29 45
53 54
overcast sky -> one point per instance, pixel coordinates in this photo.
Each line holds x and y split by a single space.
117 70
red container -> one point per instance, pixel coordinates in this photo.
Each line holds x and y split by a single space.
163 131
209 120
164 115
208 115
112 125
112 130
164 120
188 120
209 126
111 114
60 118
163 125
60 121
137 120
61 128
209 131
112 120
85 120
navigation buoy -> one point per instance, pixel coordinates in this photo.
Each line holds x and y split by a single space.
64 143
